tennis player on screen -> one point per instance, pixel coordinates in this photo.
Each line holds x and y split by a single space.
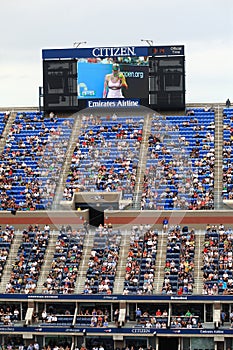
114 83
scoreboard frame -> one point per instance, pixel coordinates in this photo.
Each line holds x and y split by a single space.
60 77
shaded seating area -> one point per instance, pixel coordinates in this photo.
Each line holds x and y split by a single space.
64 268
217 261
106 156
52 315
9 315
147 317
184 321
103 261
141 260
210 261
57 320
180 166
93 318
179 265
32 160
30 257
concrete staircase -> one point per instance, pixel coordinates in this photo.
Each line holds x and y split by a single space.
66 165
47 261
120 274
81 277
160 263
198 273
10 261
218 171
142 163
7 128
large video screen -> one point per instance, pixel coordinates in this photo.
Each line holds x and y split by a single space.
77 78
107 78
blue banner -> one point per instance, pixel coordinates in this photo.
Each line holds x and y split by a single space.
114 297
125 331
124 51
97 52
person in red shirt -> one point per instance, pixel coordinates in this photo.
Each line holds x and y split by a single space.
158 313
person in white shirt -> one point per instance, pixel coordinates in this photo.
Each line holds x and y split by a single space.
114 83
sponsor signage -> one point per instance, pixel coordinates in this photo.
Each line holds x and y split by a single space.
113 103
125 331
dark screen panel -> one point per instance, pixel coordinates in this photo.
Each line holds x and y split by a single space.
60 85
167 83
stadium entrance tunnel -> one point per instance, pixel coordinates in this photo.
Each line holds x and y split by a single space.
166 343
97 203
96 215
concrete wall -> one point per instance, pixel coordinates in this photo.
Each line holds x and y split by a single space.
121 218
55 219
197 219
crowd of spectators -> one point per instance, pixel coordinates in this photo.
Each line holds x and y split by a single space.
217 261
30 257
147 319
95 317
6 238
227 191
53 345
90 317
161 319
53 317
106 155
179 265
64 267
9 314
103 261
56 346
179 173
32 160
185 322
180 167
140 266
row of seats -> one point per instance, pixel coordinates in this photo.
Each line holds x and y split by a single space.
29 260
181 161
64 267
32 159
96 165
103 261
141 261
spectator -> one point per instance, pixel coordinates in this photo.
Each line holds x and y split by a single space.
228 103
165 225
138 314
222 317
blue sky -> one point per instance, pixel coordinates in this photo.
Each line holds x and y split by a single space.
204 27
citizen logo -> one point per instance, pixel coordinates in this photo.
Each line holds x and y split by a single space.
113 51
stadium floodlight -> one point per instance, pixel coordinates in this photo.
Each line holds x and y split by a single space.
148 41
78 43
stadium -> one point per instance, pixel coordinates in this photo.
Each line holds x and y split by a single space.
116 208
